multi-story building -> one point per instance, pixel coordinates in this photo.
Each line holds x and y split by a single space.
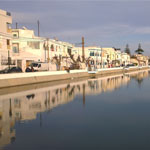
5 39
105 57
111 55
26 47
140 59
118 60
59 48
125 59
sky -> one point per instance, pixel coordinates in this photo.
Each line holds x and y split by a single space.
109 23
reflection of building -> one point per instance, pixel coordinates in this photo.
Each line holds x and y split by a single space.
7 121
140 76
97 86
26 105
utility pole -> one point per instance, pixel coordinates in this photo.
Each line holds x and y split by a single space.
38 22
83 94
16 25
83 55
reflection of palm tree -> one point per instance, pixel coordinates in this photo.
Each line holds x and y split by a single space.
138 79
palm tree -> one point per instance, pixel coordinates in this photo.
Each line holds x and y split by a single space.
139 50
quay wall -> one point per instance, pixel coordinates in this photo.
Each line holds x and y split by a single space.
19 79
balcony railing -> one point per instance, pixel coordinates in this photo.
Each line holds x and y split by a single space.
6 62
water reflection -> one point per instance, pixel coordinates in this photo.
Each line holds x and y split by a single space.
26 105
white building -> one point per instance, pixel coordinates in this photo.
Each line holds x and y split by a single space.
5 38
95 54
26 47
59 48
125 59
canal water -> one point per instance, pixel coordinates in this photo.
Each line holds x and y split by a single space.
108 113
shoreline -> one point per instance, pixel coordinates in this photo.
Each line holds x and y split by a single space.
22 79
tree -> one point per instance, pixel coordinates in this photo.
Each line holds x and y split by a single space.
127 50
139 50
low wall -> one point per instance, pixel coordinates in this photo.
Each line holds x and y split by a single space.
18 79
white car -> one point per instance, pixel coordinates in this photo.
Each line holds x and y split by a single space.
38 66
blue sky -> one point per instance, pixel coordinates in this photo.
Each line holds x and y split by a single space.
108 23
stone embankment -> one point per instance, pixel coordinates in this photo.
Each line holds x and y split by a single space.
19 79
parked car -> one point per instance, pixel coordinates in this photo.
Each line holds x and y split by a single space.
37 66
11 70
130 65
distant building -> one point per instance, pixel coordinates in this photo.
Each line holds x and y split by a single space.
118 58
111 55
125 59
5 39
140 60
59 48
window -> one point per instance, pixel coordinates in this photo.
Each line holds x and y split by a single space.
8 42
14 35
16 48
8 26
96 54
91 53
52 47
34 45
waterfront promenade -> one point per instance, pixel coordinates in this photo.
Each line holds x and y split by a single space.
19 79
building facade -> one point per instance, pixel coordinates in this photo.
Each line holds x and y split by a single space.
125 59
27 48
5 39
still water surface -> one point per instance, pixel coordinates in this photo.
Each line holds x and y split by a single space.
105 113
